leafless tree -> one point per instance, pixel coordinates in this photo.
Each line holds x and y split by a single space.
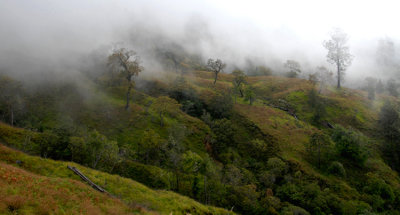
126 62
215 66
338 53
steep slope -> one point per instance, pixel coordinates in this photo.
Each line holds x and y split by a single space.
217 148
51 183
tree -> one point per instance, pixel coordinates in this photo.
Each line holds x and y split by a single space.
176 59
380 88
324 77
318 106
94 149
150 146
392 87
164 105
175 149
319 147
249 94
371 87
385 56
293 68
127 63
215 66
219 103
100 147
338 53
349 144
10 98
389 127
238 81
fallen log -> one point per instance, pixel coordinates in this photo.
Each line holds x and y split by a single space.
80 174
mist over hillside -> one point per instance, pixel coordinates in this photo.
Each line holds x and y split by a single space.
199 107
66 37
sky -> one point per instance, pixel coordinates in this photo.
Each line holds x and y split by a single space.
55 35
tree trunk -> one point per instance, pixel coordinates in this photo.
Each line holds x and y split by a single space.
128 95
241 92
216 77
177 180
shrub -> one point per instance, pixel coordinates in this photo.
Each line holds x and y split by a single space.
336 168
149 175
349 144
277 166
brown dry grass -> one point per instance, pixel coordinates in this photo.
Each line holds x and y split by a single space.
21 191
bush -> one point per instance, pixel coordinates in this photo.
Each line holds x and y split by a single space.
336 168
349 144
277 166
294 210
149 175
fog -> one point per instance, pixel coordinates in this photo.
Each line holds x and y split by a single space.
66 37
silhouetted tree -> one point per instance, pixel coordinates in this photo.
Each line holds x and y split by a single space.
385 56
338 53
392 87
293 68
10 98
215 66
371 87
127 63
176 59
380 88
324 77
389 126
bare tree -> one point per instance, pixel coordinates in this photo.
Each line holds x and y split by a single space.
338 53
215 66
127 63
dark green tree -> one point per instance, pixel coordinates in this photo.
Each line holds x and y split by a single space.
249 95
389 126
317 105
319 148
239 79
392 87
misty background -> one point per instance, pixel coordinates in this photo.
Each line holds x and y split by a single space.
67 37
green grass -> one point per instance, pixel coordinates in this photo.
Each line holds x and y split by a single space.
129 191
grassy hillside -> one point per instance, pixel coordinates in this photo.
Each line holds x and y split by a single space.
33 185
184 134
